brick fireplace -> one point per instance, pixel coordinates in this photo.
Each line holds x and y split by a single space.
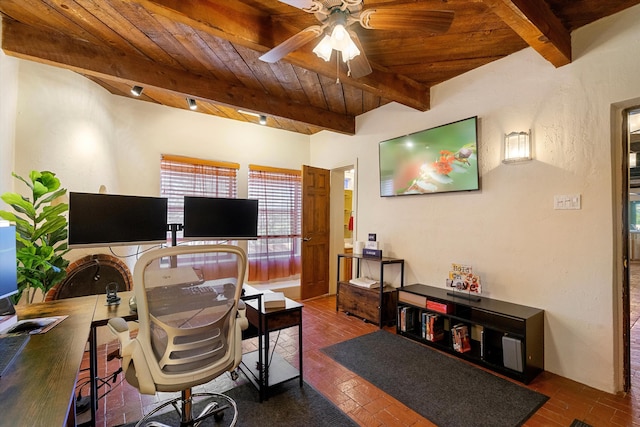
90 275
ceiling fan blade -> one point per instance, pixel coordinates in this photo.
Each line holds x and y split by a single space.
310 6
431 21
359 65
292 43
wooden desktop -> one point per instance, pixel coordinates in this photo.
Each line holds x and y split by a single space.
38 389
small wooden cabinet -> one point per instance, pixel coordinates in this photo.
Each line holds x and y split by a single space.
505 337
365 303
377 305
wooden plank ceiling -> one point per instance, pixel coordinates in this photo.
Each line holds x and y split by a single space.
208 50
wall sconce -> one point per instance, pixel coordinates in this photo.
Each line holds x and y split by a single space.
517 147
137 90
192 104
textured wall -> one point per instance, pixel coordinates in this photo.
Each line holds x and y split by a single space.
525 251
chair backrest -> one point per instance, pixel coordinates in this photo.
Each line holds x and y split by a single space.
187 299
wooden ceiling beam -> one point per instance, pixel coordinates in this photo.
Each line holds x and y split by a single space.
534 21
41 46
243 25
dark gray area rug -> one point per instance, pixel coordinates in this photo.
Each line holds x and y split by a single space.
446 391
289 405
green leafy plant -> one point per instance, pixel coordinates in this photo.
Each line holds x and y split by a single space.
41 233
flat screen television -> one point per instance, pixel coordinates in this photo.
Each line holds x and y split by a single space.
8 262
218 218
436 160
97 220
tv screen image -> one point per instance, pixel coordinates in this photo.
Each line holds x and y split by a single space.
97 220
436 160
218 218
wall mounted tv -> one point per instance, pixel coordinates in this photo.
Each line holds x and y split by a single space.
216 218
436 160
114 220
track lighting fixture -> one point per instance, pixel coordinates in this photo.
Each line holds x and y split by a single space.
262 119
137 90
192 104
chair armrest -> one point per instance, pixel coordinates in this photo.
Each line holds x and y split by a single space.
242 320
120 328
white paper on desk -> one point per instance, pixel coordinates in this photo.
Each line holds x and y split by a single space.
274 300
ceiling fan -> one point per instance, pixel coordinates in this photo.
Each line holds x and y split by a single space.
336 16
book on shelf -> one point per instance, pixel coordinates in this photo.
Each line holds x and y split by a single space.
415 299
434 327
274 300
441 307
461 340
408 319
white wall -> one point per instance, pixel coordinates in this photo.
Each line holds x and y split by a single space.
524 251
8 101
89 138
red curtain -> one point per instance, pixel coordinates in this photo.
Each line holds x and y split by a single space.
276 254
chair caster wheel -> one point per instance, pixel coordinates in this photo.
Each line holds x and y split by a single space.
234 375
218 416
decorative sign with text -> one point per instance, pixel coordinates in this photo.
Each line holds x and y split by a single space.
462 279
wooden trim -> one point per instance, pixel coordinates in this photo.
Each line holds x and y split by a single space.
196 161
275 170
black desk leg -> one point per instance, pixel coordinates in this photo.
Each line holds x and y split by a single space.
264 387
300 347
93 373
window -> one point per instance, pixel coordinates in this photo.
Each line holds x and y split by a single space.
276 253
186 176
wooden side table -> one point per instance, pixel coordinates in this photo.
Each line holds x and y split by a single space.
262 369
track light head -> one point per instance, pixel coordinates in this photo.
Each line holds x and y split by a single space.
137 90
192 104
263 120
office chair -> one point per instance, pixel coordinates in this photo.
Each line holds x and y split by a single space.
190 325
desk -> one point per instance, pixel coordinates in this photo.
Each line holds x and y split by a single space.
266 321
39 389
101 316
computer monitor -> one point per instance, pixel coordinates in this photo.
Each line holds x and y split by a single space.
98 220
218 218
8 264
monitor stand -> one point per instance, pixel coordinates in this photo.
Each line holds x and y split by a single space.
8 316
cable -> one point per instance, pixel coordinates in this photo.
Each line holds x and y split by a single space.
273 350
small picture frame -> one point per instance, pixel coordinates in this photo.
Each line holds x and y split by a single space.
372 237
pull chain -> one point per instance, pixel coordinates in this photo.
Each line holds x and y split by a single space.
338 67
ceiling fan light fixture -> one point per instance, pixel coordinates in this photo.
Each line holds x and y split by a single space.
340 38
340 41
350 51
324 48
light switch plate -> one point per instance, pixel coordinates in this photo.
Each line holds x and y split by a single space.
567 201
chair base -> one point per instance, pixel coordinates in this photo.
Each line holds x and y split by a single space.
214 408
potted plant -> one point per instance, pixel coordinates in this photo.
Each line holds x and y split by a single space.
41 233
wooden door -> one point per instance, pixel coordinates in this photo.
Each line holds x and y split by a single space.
314 279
